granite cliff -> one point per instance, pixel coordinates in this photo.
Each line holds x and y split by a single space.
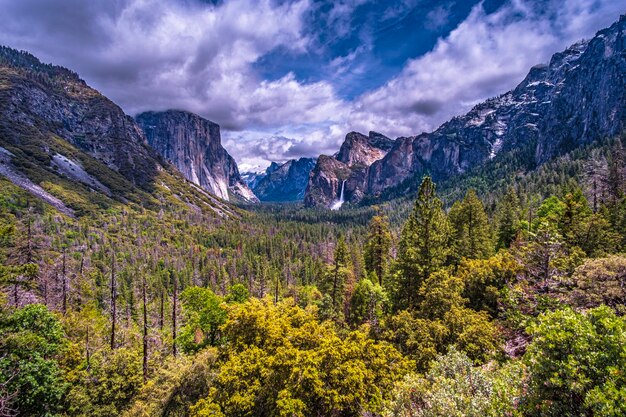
193 145
578 97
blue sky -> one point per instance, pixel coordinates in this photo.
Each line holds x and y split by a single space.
289 78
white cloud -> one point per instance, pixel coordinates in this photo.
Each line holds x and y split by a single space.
486 55
157 54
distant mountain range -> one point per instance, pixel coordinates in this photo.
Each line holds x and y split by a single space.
579 97
71 146
282 182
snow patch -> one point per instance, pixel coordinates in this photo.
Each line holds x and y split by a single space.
495 148
481 117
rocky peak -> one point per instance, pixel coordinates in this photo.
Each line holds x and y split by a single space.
324 183
351 163
580 96
49 102
193 145
360 150
286 182
273 167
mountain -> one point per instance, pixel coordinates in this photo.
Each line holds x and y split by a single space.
75 149
252 178
579 97
193 144
286 182
350 164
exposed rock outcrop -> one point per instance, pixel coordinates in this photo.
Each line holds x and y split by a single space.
325 181
40 100
579 97
351 163
193 145
76 150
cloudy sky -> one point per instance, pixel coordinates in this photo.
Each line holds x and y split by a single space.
289 78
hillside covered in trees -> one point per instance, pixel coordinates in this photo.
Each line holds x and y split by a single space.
476 270
507 302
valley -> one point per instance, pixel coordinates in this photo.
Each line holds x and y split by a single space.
475 270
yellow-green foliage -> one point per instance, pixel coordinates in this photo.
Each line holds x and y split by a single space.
281 361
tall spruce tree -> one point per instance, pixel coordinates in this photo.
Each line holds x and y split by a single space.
423 245
471 236
508 218
378 247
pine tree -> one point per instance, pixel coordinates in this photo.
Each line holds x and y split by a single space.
508 217
377 247
471 237
423 245
340 261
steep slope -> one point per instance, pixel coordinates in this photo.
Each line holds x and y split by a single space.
193 145
325 181
75 149
286 182
578 98
351 163
360 150
39 100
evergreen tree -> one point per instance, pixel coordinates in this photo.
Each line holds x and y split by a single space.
470 228
423 245
377 247
508 217
337 275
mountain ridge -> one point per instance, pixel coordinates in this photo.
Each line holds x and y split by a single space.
553 110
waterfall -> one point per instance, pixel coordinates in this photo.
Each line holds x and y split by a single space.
338 203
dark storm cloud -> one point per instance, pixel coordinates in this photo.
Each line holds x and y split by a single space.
426 107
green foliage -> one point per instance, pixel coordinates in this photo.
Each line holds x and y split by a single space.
419 339
368 303
471 234
178 384
423 246
601 281
203 313
31 341
451 296
377 247
237 293
508 219
454 387
483 279
108 385
576 363
281 361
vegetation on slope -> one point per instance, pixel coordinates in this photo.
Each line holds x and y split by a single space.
507 306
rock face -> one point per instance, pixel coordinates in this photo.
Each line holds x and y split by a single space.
360 150
193 145
580 96
325 181
286 182
351 163
76 150
38 101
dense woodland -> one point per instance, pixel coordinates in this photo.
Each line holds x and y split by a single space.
498 294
